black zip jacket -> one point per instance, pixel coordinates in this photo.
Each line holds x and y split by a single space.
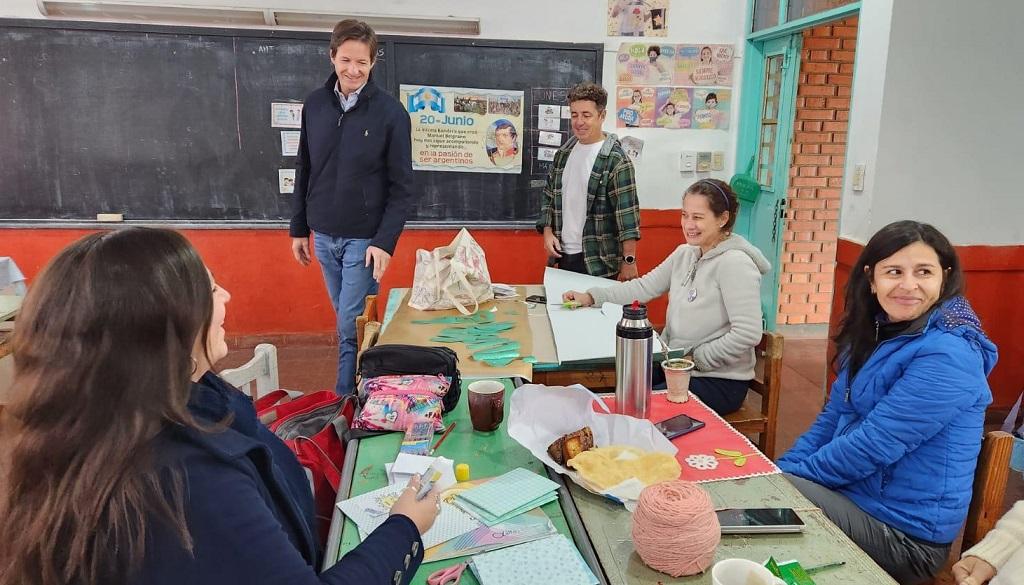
354 174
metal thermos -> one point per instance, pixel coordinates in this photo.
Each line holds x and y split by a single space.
634 348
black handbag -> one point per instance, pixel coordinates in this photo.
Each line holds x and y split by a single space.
384 360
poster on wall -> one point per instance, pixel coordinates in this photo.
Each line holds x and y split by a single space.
465 130
645 64
674 107
637 18
634 107
634 148
711 108
679 65
703 65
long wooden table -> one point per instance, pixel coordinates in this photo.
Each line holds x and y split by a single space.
600 528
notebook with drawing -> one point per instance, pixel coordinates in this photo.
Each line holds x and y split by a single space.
371 509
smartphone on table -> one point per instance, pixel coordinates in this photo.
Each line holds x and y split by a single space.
678 425
759 521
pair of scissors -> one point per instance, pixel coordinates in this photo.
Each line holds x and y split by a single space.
447 576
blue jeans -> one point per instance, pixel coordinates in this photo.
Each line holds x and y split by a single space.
348 280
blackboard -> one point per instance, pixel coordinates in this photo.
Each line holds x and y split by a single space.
173 123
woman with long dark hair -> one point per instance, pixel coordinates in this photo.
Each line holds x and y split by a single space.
891 457
126 460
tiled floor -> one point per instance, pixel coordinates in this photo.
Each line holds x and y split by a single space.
312 367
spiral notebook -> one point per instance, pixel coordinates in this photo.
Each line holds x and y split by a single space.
548 560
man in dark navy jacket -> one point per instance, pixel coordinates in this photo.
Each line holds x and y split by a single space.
354 183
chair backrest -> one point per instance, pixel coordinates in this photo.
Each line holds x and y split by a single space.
369 314
989 486
769 385
257 376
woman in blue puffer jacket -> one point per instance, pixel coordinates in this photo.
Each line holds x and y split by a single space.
891 458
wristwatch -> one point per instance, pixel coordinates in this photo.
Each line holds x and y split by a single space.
629 259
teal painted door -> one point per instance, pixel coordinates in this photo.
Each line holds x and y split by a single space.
769 103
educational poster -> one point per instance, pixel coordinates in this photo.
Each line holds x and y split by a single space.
285 115
290 142
645 64
465 130
703 65
679 65
711 108
637 18
674 106
633 146
286 180
635 107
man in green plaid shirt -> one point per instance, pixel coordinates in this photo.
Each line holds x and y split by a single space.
589 212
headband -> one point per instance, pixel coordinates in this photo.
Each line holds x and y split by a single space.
728 202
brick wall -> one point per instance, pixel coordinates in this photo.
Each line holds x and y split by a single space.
816 173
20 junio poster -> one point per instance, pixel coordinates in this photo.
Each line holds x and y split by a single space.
465 130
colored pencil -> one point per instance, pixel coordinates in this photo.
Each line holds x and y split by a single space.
443 437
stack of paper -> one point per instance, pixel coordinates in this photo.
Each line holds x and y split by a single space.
371 509
548 560
406 466
507 496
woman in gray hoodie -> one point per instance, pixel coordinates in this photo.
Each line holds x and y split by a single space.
714 296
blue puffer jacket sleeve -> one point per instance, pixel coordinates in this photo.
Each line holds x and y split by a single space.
901 421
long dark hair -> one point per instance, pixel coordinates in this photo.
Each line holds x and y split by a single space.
103 361
856 338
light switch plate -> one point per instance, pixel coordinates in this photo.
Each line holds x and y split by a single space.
687 161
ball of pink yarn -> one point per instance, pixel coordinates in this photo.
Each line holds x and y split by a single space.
675 529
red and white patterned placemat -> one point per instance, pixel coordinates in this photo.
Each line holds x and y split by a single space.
713 453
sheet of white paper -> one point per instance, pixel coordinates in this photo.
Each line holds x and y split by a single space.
587 333
290 142
286 180
285 115
407 465
371 509
544 153
548 110
580 334
549 123
566 112
540 414
550 138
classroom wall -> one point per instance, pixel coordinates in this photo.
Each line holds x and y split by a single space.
659 182
273 295
942 146
948 130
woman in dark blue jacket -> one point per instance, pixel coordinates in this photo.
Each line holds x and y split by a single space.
891 458
127 461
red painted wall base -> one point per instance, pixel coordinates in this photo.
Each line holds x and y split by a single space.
272 294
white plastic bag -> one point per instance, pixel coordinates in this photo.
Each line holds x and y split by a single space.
540 414
451 277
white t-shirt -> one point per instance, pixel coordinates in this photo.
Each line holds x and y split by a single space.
575 178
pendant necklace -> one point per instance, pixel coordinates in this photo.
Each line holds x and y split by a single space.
692 294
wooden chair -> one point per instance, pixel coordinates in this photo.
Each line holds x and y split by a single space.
258 375
369 314
369 335
989 487
986 497
762 418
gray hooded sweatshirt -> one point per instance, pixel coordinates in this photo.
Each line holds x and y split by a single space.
714 304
